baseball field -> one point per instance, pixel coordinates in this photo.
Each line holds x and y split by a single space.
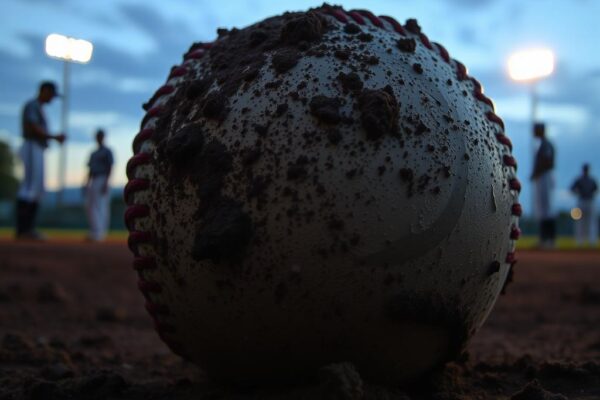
73 326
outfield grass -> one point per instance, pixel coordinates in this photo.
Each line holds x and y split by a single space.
524 243
67 234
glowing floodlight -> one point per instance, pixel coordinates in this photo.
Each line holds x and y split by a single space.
68 48
531 65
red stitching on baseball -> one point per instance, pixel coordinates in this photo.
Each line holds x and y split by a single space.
492 116
510 258
356 17
482 97
194 55
142 136
395 24
136 238
509 161
177 72
443 52
425 41
515 233
134 212
517 210
132 186
154 111
144 263
515 184
337 14
461 71
165 89
136 161
149 286
504 140
374 20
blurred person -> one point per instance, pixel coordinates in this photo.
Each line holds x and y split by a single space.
543 183
97 189
35 141
585 188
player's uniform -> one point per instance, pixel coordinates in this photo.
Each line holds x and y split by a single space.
543 184
586 229
32 155
98 201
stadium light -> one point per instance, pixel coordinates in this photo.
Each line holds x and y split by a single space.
531 66
69 50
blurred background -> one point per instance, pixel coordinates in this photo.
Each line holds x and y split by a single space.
136 42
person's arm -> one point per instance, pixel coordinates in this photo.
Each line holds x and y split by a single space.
40 133
544 160
32 126
575 187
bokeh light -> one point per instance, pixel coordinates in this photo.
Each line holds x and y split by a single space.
532 64
69 49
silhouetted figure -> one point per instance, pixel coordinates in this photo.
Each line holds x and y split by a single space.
543 183
97 189
585 188
35 141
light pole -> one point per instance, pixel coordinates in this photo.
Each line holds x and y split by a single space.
68 50
529 67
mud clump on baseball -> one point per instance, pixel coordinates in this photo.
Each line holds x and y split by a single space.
316 199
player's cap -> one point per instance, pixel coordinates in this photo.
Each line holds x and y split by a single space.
49 85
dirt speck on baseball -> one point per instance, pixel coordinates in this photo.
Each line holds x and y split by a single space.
320 193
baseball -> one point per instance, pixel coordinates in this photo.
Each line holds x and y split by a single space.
320 187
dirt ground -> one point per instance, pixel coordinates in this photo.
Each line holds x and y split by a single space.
73 326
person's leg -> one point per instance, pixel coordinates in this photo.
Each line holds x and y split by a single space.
33 210
88 203
551 232
592 232
104 213
37 187
544 237
24 193
94 199
580 227
21 216
585 221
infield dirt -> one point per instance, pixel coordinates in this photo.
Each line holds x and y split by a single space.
73 326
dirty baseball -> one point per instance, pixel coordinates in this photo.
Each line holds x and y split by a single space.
321 187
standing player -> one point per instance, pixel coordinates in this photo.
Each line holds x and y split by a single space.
97 189
585 188
543 183
35 141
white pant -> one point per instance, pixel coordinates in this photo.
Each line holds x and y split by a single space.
32 185
586 228
97 206
542 187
